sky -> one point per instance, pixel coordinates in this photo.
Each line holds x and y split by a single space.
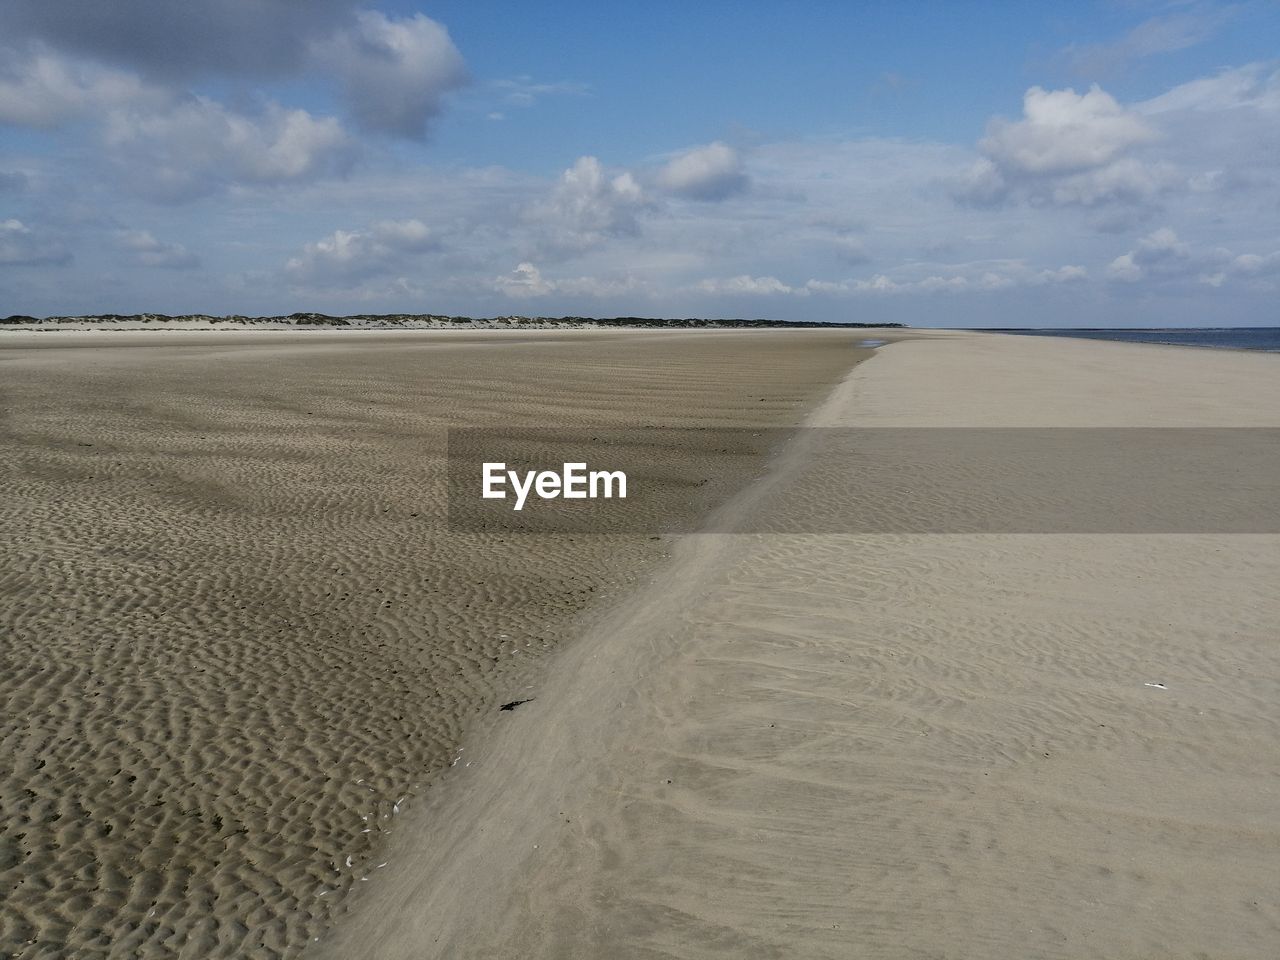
1109 163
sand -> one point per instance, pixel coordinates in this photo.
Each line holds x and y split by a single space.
925 746
238 646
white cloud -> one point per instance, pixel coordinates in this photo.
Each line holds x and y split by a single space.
147 251
711 172
1161 257
880 283
985 280
965 278
1124 268
877 284
394 73
41 89
1068 149
170 145
1159 252
22 246
526 281
1212 136
198 146
347 256
747 285
1255 265
1064 132
586 207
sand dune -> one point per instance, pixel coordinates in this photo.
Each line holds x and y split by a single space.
892 745
238 641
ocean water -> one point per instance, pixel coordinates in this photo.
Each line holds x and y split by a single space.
1230 338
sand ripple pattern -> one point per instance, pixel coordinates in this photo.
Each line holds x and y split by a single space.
900 745
236 643
870 756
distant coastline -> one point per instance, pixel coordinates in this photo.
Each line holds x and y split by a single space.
396 321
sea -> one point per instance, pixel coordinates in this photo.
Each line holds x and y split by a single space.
1266 339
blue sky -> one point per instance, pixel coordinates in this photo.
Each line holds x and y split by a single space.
1108 163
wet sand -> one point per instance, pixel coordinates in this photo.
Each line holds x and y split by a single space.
240 647
924 746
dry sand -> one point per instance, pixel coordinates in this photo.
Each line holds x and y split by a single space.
237 643
926 746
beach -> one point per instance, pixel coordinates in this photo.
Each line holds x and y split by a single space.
956 745
639 481
254 680
241 641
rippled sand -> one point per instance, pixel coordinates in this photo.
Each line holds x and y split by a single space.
894 745
238 644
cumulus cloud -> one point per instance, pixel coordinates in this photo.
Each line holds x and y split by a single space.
745 284
586 207
170 145
22 246
1161 257
1216 135
198 146
1159 252
711 172
146 251
1064 132
879 283
526 281
39 88
346 256
1068 149
393 72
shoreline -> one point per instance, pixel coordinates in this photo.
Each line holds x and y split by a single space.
478 807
